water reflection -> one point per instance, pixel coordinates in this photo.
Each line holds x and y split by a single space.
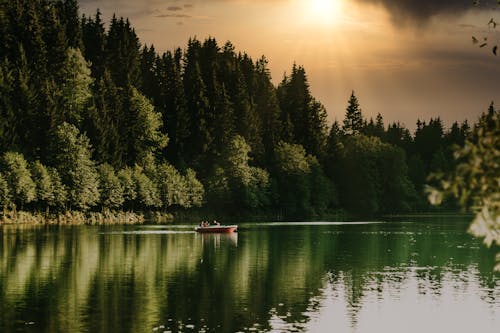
387 277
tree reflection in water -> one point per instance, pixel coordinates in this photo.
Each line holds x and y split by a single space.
389 277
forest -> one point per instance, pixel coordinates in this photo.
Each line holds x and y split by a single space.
92 120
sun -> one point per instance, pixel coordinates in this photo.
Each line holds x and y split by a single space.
325 11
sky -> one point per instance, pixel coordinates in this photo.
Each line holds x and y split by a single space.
407 60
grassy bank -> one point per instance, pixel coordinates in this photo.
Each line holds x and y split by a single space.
73 218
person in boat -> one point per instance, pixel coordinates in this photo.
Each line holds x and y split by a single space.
215 222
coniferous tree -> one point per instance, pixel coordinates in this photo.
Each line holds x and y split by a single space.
333 150
295 102
267 108
72 23
316 129
172 105
8 134
223 127
149 79
353 121
200 138
102 122
122 50
54 36
94 41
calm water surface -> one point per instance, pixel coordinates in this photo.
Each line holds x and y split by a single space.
408 275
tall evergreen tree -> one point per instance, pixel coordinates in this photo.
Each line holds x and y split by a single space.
94 41
353 121
171 103
197 104
123 53
267 108
72 23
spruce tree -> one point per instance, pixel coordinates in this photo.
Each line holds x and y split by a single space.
72 23
94 41
353 122
123 53
200 139
267 108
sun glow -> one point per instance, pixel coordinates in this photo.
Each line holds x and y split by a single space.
325 12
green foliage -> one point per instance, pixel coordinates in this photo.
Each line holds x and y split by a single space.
373 177
475 180
110 187
236 183
72 157
50 192
22 189
75 86
291 158
195 190
172 185
5 200
127 181
254 145
302 189
148 195
143 133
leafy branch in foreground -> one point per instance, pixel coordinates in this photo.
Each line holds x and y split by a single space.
492 25
475 182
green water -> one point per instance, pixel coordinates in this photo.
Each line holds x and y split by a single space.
408 275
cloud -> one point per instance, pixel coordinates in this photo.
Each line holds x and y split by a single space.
421 11
174 8
174 15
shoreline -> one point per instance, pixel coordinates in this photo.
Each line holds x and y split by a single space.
106 217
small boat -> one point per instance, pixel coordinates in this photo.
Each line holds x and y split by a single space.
216 229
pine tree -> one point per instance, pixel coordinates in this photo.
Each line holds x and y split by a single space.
172 105
54 36
223 128
94 41
123 53
353 122
149 80
267 108
199 140
8 133
315 137
72 23
248 123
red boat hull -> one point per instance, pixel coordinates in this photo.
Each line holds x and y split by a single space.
217 229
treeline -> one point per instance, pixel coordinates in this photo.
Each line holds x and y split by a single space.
109 123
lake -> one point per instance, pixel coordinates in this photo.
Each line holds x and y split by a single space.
410 274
